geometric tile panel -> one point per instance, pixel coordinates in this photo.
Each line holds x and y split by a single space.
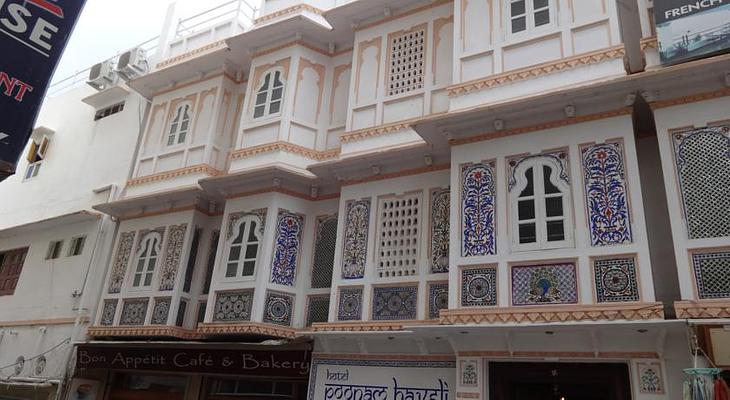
108 312
608 209
615 280
544 284
438 299
350 304
407 62
355 248
289 228
440 228
233 306
478 210
324 252
703 169
395 303
160 311
134 312
318 309
121 260
279 308
399 234
479 287
173 250
712 271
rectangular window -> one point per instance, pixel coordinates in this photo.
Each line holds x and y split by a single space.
407 62
528 14
77 246
11 264
36 154
398 237
54 250
107 111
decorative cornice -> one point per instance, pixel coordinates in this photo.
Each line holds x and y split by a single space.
690 99
374 131
162 176
143 331
543 126
248 328
37 322
417 10
287 147
562 354
649 43
628 312
286 11
539 70
693 309
399 174
191 54
358 326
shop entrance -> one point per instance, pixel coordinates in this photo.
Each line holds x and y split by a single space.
558 381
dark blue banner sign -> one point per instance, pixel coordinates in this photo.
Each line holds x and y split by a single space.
33 34
690 29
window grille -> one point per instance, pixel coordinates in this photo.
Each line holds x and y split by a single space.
318 309
399 235
712 272
324 252
108 111
407 62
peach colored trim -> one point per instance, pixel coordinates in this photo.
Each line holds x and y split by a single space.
170 211
542 126
247 328
162 176
338 71
464 395
689 309
375 131
384 356
320 70
286 147
690 99
367 326
403 15
201 103
36 322
143 331
287 11
195 82
437 25
284 64
191 98
629 312
399 174
649 43
286 192
299 43
362 46
538 70
561 354
192 53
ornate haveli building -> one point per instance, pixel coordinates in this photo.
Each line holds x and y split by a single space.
371 200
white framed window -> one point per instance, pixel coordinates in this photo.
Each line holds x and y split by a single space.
77 246
243 249
270 95
527 15
180 125
147 257
54 250
541 206
36 154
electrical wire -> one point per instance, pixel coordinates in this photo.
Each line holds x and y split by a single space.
65 341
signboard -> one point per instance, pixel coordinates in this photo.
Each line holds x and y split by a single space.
382 380
33 34
689 29
284 363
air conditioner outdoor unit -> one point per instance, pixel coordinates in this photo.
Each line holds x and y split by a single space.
102 75
132 63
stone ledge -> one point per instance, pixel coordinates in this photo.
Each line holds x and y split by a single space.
690 309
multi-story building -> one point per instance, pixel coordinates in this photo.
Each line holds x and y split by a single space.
479 199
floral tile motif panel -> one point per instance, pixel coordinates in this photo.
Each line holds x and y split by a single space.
287 241
395 303
350 304
440 228
318 309
606 197
173 250
650 378
160 311
615 280
479 287
134 312
544 284
121 261
233 218
438 299
478 210
712 273
279 308
108 312
233 306
355 249
469 372
324 252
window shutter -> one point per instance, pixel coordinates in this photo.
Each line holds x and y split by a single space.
32 152
44 148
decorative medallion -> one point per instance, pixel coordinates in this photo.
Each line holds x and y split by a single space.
121 260
134 312
19 365
469 372
615 280
286 247
40 365
235 217
160 311
279 307
357 226
108 312
350 304
395 303
712 273
168 273
233 306
606 197
478 210
440 228
479 287
650 378
544 284
438 299
318 309
324 252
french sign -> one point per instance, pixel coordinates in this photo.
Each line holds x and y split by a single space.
690 29
284 363
33 34
382 380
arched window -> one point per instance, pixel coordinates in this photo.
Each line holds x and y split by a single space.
147 261
541 205
243 250
180 125
269 95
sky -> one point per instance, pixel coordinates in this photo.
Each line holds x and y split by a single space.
109 27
